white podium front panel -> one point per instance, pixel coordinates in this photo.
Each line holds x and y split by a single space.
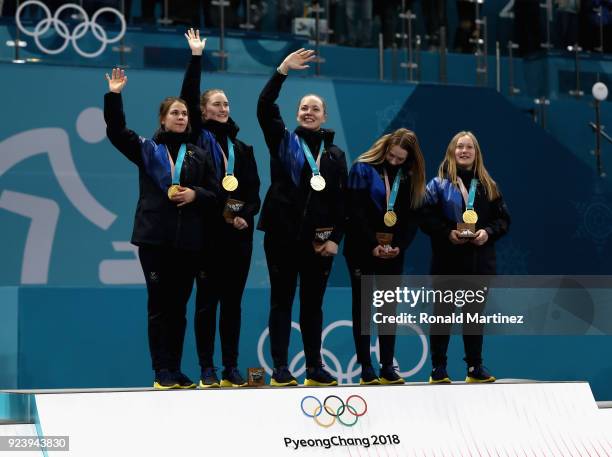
536 419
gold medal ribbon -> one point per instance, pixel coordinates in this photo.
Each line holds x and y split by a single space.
390 217
469 215
229 181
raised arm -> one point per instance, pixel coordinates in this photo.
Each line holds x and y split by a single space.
190 90
125 140
268 112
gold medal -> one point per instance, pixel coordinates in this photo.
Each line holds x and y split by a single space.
470 216
173 190
230 183
317 182
390 218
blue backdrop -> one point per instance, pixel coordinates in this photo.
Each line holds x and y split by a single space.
67 200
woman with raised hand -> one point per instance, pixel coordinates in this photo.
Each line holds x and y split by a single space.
226 261
386 188
177 192
303 218
463 193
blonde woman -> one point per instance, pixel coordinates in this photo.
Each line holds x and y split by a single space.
302 217
386 189
463 188
225 263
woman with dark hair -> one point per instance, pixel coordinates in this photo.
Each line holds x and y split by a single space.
177 192
386 188
227 259
463 192
303 219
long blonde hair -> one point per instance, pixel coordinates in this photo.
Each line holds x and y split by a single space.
448 167
407 140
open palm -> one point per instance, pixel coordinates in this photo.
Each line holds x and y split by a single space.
298 60
117 80
196 44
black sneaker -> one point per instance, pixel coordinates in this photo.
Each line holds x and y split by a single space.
282 377
439 375
209 378
368 376
479 374
166 380
388 375
231 377
318 376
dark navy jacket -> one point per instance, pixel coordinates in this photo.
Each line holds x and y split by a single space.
291 209
444 209
158 221
367 206
213 136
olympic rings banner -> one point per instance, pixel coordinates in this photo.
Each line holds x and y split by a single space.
62 29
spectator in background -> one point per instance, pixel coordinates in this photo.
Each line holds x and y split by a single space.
388 13
186 12
466 28
7 8
287 10
148 11
567 22
434 13
595 21
212 16
527 26
91 6
359 22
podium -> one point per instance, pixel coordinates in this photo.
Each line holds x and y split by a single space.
501 419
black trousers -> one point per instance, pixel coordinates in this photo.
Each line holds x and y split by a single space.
471 343
169 274
439 336
288 260
369 265
221 280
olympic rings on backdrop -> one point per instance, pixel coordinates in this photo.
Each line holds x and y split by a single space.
335 412
61 28
346 375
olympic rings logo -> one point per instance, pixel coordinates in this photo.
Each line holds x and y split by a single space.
335 409
62 29
349 373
